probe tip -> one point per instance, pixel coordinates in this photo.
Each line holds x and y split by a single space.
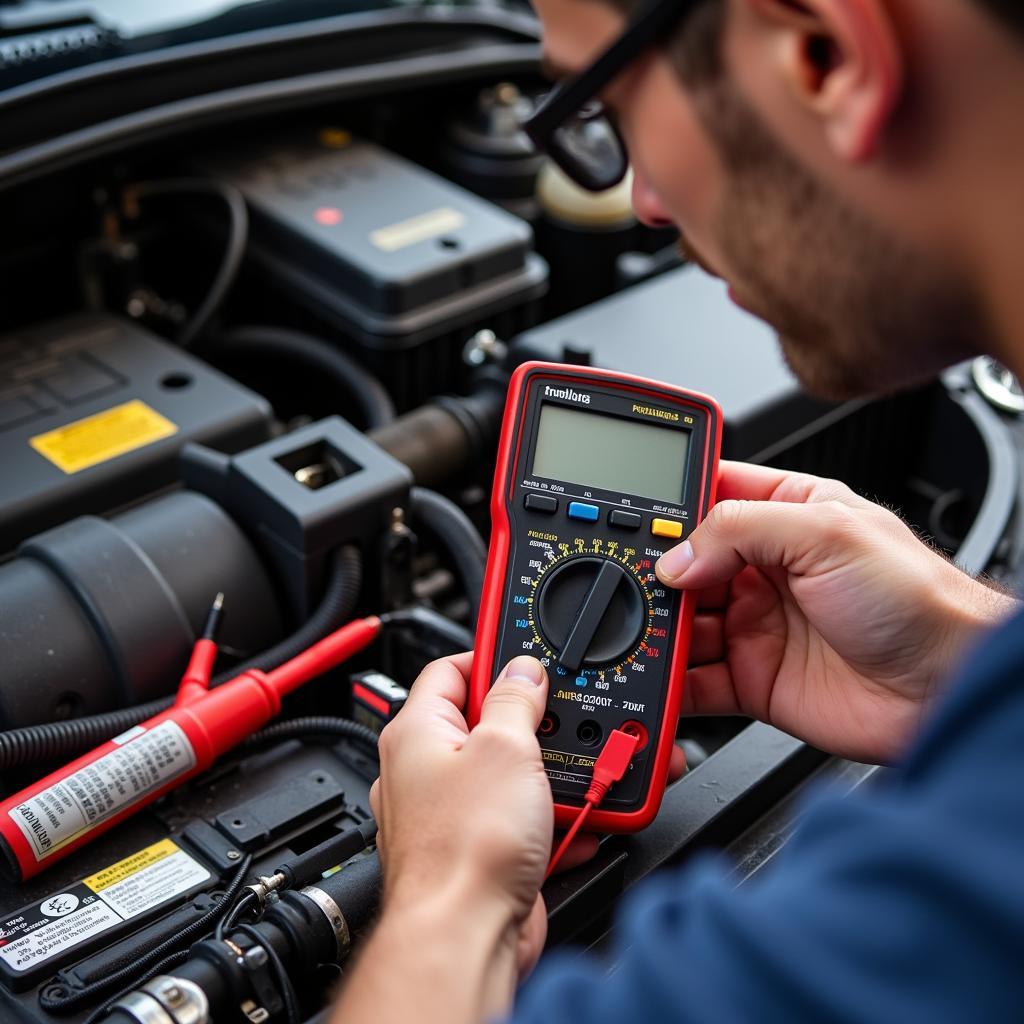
213 618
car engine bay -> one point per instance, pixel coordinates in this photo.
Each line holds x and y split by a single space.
262 297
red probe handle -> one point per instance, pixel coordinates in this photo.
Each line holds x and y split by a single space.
195 683
73 805
335 648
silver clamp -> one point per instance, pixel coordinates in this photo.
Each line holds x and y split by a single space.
333 913
266 886
166 1000
998 385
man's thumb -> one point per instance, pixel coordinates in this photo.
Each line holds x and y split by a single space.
518 697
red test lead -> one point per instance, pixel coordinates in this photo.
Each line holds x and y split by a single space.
75 804
611 765
196 680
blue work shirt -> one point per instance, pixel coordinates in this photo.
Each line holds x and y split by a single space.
902 902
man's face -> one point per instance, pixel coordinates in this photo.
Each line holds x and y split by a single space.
858 309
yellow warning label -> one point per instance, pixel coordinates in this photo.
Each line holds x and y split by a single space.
104 436
131 865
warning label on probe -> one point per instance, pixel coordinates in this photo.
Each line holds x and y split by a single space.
56 816
120 892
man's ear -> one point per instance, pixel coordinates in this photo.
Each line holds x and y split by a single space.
843 63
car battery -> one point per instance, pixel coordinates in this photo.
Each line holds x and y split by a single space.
404 264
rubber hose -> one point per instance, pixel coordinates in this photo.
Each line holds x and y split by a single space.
285 985
335 609
234 252
362 387
461 539
313 725
56 740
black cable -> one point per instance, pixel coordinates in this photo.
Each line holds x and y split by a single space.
334 611
234 252
284 983
312 725
308 867
72 999
304 869
228 921
429 621
321 357
461 539
55 740
174 960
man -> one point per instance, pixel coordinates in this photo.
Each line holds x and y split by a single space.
855 170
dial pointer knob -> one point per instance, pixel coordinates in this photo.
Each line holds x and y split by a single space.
592 612
589 617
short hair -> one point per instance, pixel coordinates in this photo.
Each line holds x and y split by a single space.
1010 11
697 53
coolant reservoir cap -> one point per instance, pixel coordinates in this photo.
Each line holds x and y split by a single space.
564 200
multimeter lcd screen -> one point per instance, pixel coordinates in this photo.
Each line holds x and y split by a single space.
611 453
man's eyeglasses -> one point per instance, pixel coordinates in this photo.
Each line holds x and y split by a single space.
572 125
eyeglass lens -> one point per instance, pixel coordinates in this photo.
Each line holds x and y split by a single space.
592 148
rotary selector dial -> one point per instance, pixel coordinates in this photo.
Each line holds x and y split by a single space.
592 612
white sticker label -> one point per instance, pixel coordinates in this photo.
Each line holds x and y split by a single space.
55 936
135 730
152 885
58 815
121 891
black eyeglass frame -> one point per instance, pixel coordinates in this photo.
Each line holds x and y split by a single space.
571 96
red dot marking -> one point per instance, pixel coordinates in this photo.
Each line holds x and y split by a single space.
328 216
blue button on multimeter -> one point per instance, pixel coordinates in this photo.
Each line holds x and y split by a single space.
580 510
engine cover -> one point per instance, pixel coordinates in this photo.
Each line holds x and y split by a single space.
93 413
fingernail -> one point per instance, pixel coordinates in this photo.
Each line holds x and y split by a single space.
526 668
674 563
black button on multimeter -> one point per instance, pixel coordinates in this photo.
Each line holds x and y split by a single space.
624 520
541 503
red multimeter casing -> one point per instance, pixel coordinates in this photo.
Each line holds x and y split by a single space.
598 473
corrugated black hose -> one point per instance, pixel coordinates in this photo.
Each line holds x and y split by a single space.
313 725
55 740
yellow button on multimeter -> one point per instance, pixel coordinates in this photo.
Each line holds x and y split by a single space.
666 528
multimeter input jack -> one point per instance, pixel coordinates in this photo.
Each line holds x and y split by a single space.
638 731
549 725
590 733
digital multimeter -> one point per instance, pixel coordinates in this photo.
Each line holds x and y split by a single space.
598 473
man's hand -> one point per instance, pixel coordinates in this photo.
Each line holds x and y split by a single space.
465 835
466 817
821 613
